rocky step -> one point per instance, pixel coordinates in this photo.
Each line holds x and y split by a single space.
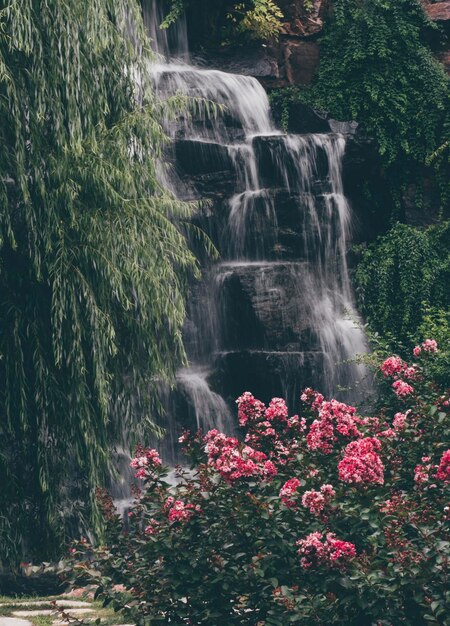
278 224
196 157
264 304
267 374
271 224
294 162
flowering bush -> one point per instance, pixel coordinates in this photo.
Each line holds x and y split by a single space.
327 518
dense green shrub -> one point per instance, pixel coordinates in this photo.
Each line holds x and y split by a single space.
377 68
327 518
401 276
93 261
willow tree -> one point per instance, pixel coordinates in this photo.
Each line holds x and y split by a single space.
93 257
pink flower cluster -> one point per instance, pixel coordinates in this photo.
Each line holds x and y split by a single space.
249 409
288 492
152 528
400 421
395 367
277 410
422 472
234 461
145 460
402 389
316 501
361 463
392 366
178 511
429 345
334 418
269 429
443 472
313 398
394 505
315 550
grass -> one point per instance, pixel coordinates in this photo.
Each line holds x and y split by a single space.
42 620
13 599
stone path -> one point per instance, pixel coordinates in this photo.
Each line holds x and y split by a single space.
13 621
67 603
73 607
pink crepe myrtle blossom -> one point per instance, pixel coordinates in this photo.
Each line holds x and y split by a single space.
270 430
184 437
334 418
316 550
417 350
234 461
321 436
392 366
313 398
421 473
277 410
393 505
388 433
145 460
288 492
361 463
402 389
400 421
430 345
410 373
316 501
340 551
141 461
297 423
178 511
443 472
152 527
249 409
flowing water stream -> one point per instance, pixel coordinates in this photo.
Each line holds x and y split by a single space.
276 311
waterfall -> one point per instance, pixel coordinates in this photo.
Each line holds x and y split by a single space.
275 313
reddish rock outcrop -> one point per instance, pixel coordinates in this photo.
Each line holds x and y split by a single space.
302 19
301 61
438 11
444 58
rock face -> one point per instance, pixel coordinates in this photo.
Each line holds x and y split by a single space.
292 60
444 58
274 313
438 11
301 60
256 311
267 373
302 18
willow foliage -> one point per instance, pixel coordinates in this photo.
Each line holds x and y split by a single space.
93 260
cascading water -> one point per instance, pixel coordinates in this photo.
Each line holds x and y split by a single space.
276 312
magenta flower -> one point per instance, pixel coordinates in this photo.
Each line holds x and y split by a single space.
361 463
402 389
